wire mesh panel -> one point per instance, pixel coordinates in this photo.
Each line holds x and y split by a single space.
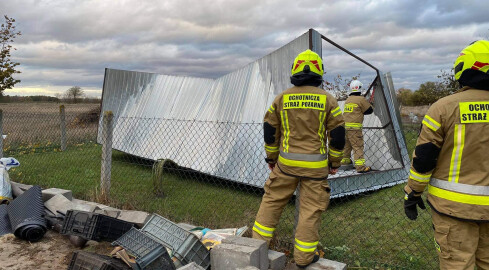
175 160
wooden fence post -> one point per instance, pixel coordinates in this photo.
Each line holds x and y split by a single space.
62 118
105 173
1 134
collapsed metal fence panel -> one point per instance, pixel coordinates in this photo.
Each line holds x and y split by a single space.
202 124
368 230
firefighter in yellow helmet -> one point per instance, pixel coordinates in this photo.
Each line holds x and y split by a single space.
356 106
296 130
451 159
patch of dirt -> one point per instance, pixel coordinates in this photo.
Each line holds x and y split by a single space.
53 252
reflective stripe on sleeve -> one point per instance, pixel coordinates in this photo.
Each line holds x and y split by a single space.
353 125
306 246
272 109
263 230
271 148
423 178
431 123
458 147
335 153
336 111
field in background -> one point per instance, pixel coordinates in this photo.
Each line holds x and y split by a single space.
361 230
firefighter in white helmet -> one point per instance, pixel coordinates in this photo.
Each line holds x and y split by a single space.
356 106
451 159
304 138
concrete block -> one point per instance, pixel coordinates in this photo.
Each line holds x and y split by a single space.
137 217
110 213
51 192
250 242
58 204
18 188
327 264
229 256
276 260
191 266
90 206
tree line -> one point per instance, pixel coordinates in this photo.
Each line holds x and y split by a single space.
429 92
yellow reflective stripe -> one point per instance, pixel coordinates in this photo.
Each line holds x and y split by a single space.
263 230
5 198
353 125
335 153
336 111
303 164
458 147
321 130
360 162
285 124
423 178
271 148
306 246
431 123
272 109
458 197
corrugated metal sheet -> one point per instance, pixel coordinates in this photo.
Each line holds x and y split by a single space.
212 126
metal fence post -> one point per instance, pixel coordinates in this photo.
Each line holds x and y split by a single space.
107 129
62 118
1 134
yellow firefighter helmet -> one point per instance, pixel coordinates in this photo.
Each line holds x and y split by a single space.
474 57
308 61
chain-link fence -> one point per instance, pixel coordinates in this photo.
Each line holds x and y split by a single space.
364 227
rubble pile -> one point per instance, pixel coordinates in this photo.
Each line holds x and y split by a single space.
141 241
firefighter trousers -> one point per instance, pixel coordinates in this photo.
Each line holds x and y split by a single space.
354 140
313 200
461 244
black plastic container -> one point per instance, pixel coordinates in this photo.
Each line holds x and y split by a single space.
92 226
82 260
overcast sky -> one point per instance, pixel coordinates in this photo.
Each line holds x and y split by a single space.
70 42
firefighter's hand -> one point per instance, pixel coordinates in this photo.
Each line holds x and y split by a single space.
333 171
271 166
411 201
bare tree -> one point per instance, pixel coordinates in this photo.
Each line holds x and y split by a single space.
7 66
74 93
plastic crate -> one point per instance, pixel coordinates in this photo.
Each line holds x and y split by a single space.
150 255
186 247
82 260
92 226
193 250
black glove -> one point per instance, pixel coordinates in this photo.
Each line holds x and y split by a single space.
410 202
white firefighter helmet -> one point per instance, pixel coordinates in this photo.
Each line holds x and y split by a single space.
356 86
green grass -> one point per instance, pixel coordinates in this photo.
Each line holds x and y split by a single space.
367 231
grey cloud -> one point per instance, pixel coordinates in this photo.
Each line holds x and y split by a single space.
73 41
